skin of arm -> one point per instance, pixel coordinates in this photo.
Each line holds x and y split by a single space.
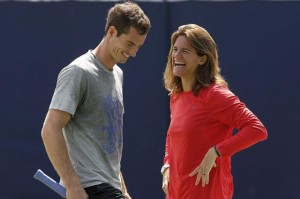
55 145
124 188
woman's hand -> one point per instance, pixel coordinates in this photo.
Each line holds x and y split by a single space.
165 180
205 166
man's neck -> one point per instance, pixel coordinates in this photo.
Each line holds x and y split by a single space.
102 54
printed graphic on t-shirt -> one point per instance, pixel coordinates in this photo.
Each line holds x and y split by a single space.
114 112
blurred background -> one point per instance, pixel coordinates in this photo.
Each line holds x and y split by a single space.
259 54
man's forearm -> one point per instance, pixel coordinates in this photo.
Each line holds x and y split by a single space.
124 188
57 152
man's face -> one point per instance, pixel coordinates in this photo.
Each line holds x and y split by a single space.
126 45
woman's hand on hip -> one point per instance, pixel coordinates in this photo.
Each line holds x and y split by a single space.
203 170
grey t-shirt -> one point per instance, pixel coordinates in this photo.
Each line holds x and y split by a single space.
94 135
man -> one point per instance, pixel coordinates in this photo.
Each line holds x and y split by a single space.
83 129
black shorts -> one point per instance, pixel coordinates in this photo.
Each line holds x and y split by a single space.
104 191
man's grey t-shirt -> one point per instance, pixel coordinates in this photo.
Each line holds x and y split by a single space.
93 96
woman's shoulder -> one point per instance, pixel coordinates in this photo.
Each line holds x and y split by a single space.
213 88
216 92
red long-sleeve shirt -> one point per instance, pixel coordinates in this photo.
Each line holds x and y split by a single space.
199 123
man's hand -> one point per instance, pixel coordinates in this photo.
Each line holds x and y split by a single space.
126 195
76 192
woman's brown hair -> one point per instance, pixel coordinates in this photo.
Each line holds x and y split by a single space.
208 73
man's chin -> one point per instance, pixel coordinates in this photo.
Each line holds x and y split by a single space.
123 61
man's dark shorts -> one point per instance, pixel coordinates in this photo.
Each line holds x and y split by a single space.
104 191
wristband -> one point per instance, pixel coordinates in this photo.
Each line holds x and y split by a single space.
217 151
163 168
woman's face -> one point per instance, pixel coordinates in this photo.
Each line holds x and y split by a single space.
185 59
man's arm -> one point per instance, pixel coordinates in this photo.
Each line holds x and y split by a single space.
124 188
56 149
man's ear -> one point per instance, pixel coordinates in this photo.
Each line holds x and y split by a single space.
112 31
202 59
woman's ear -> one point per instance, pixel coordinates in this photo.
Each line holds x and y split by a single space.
202 59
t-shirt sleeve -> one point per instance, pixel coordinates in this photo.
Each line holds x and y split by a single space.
228 109
69 91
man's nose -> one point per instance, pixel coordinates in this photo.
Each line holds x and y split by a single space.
133 51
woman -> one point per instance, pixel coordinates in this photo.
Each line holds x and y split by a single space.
204 112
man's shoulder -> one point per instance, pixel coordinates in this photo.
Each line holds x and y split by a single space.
118 69
82 60
83 63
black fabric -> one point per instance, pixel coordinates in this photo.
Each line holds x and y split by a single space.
104 191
